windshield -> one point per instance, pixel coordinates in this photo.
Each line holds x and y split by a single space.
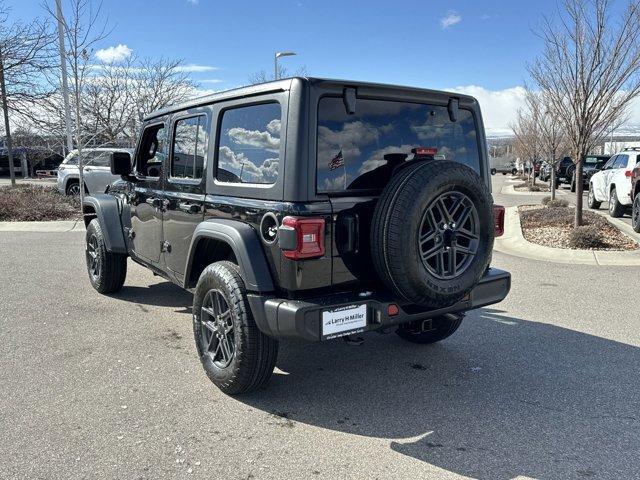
361 150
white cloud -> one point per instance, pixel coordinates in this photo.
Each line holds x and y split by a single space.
349 139
450 19
254 138
499 107
235 163
193 2
114 54
211 80
195 68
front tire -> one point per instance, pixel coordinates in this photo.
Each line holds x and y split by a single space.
73 189
430 331
236 356
107 270
616 209
635 214
573 184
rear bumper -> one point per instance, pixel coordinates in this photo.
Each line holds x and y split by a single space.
282 318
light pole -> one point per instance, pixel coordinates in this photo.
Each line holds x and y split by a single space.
63 69
277 56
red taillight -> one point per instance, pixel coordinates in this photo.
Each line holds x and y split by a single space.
393 310
498 218
628 173
309 237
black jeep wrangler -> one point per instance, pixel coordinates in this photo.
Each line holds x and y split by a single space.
309 209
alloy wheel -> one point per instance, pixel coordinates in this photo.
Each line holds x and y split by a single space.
218 334
448 236
74 190
93 262
612 200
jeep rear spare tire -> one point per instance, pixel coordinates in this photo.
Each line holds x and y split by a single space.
432 232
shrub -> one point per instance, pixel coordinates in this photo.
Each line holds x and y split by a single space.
586 236
36 203
558 202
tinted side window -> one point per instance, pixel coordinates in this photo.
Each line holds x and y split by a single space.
190 141
249 144
361 151
152 152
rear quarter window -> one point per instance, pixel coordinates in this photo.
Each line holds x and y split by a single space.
249 144
361 150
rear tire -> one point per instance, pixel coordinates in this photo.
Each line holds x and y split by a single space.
437 329
573 184
591 199
635 214
107 270
236 356
493 171
616 209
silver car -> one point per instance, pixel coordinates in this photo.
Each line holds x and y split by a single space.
97 171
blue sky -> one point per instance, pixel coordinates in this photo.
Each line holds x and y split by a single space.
477 47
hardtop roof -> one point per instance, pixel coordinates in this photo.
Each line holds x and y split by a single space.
284 85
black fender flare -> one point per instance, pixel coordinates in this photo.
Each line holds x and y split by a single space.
246 246
107 210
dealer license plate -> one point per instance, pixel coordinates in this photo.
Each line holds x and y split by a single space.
342 321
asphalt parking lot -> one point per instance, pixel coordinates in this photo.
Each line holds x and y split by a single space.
543 385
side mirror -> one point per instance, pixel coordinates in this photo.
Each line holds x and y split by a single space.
121 163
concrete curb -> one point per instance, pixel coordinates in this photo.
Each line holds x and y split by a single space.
510 190
43 227
514 243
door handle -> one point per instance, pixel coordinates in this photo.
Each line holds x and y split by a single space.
189 207
87 169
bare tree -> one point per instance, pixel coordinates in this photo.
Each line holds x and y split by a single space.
24 54
527 143
550 130
159 83
590 71
262 76
83 29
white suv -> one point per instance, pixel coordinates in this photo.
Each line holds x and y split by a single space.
613 183
97 171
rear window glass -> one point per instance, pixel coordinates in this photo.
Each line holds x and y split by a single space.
360 151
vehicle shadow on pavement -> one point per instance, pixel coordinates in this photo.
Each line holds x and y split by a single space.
503 397
163 294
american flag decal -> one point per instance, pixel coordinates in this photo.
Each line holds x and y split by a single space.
337 161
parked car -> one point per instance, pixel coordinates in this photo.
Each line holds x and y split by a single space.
545 171
504 168
96 166
590 164
635 195
613 183
377 232
564 171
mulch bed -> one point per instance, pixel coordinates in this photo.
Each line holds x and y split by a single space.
552 226
32 203
526 187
